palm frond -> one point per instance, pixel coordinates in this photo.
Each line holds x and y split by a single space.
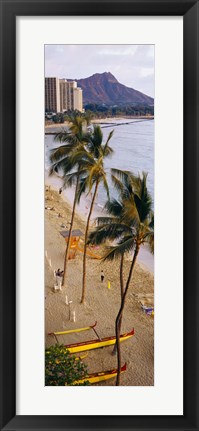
53 170
94 175
97 136
81 187
118 185
59 153
70 180
62 136
151 222
130 214
105 184
124 178
125 228
147 232
81 157
111 231
114 207
142 198
107 151
104 220
121 174
123 181
95 142
107 142
150 241
120 249
62 167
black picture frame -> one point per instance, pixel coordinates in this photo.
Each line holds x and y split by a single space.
9 10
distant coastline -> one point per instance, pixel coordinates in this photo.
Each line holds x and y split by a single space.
107 120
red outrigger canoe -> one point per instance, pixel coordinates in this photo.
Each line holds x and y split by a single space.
100 376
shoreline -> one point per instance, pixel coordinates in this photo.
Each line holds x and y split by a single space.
106 120
145 259
102 303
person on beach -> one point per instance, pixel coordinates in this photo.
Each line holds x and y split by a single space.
59 273
60 190
59 276
102 276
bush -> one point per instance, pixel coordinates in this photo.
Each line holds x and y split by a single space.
62 369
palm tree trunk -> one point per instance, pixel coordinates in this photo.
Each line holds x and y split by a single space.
122 293
121 276
70 235
85 244
118 318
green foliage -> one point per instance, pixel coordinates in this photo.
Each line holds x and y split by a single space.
62 369
131 220
58 118
104 111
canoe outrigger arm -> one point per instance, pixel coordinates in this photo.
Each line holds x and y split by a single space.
70 331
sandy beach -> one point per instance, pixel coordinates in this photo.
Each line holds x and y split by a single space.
106 120
101 305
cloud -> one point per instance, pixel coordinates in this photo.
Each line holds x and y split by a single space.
146 71
59 48
129 51
132 65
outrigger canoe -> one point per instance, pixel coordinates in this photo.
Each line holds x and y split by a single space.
96 344
98 377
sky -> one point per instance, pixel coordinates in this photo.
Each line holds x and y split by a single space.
132 65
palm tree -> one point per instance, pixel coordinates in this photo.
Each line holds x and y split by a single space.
133 227
111 228
96 174
84 150
77 130
74 139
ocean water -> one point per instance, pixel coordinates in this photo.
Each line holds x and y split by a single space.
133 146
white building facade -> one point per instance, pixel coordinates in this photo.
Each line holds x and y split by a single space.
78 99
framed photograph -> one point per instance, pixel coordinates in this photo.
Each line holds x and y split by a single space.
99 152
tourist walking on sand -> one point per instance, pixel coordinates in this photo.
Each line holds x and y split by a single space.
102 276
59 276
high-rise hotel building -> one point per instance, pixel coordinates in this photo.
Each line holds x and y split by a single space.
78 99
52 94
62 95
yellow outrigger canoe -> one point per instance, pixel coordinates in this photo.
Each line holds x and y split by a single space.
96 344
100 376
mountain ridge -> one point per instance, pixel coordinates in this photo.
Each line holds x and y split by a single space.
104 88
